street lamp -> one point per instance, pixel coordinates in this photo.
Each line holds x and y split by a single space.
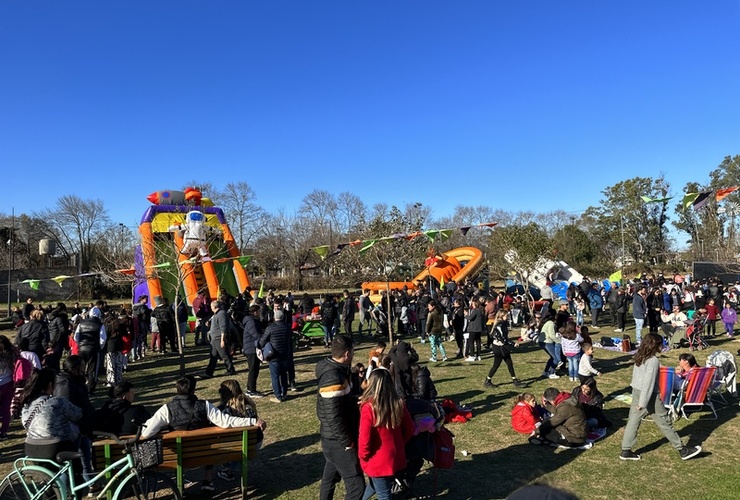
12 255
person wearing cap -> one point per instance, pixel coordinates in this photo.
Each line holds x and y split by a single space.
562 315
90 336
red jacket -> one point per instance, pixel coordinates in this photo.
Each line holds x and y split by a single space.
523 418
382 450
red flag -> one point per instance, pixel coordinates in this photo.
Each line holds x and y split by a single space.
722 193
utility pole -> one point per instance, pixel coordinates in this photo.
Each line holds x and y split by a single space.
11 265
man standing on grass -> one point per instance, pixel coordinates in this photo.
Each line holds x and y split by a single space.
220 324
339 417
639 312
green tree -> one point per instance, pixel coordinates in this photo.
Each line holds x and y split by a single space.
622 215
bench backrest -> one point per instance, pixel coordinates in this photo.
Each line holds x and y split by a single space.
191 449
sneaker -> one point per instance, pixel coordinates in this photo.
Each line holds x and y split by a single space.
537 441
444 359
630 455
487 383
226 475
433 360
687 453
553 376
470 358
254 394
477 358
293 388
207 485
559 366
518 383
204 376
545 374
276 400
618 330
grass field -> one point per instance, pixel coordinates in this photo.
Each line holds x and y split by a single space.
498 460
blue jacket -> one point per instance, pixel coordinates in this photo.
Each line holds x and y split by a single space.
594 299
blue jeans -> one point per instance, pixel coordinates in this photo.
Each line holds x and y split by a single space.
638 329
380 486
279 377
329 332
573 365
555 352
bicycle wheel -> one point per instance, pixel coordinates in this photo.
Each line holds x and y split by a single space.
26 484
153 485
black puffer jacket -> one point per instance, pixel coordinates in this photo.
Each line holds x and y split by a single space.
281 337
423 385
59 329
120 417
74 389
336 407
37 334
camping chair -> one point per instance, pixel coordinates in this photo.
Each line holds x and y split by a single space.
696 391
666 379
726 374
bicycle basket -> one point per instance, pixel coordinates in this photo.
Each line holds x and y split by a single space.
148 453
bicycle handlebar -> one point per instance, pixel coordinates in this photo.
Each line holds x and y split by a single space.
122 442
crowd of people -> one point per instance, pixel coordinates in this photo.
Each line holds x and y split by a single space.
372 416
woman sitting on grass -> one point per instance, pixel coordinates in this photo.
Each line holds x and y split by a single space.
592 402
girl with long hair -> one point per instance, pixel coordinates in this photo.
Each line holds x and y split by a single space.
646 401
385 427
501 348
48 420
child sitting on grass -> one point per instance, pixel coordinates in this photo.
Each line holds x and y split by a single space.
525 417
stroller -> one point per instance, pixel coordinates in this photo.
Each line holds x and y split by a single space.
695 333
726 374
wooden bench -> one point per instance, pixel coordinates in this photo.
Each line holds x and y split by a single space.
193 449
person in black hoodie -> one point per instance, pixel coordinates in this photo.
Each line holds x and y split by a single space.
251 334
70 384
118 415
58 336
403 356
339 418
36 331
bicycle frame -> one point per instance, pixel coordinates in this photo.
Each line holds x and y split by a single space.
125 464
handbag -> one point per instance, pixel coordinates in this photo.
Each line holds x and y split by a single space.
266 353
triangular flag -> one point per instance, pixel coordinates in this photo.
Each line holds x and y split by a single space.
722 193
244 260
442 283
445 233
702 200
321 251
261 293
464 230
688 200
411 236
648 199
162 265
398 236
431 234
34 284
341 246
356 242
60 279
488 224
337 250
366 245
616 277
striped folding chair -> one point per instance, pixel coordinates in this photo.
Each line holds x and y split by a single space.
696 393
666 379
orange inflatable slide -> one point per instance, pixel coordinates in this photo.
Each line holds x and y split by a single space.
456 264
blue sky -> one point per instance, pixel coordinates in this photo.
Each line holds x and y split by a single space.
520 105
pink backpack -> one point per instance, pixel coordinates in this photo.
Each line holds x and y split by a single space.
23 370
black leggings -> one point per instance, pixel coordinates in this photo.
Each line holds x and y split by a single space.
501 353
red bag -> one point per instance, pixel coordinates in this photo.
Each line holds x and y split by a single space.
444 449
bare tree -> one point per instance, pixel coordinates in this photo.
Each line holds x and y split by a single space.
76 224
247 219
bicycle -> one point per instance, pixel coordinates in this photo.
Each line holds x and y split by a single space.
34 479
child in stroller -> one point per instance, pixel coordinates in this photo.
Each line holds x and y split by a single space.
695 331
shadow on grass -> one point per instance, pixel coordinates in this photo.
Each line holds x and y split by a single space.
514 467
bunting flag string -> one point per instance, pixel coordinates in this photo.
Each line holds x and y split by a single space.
432 234
695 200
34 283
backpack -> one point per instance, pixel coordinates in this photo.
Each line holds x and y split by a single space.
23 369
444 449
